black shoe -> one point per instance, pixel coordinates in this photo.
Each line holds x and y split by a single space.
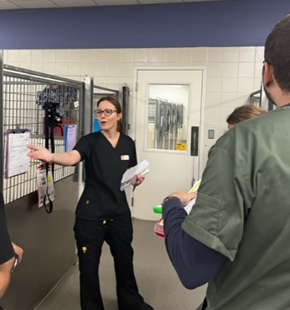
145 306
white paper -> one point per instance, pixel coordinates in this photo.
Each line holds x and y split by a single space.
45 185
17 161
141 168
70 137
189 206
194 188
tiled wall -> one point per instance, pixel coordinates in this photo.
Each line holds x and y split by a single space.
232 72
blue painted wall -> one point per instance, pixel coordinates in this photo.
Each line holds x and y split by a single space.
222 23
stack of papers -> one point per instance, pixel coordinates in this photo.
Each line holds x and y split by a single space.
141 168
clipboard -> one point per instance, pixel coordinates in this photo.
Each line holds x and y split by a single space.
70 136
16 159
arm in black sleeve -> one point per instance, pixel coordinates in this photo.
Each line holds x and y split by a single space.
6 249
133 158
195 263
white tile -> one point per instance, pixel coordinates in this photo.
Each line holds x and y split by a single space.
74 3
243 98
127 69
101 55
49 68
13 56
8 5
184 55
74 69
101 70
215 54
31 4
115 86
37 66
228 100
25 56
229 85
246 69
246 85
212 100
258 69
114 80
155 55
113 55
199 54
247 54
88 69
260 54
49 56
75 55
230 69
114 69
87 55
127 55
198 64
213 84
231 54
257 83
141 55
37 56
214 69
61 68
212 114
61 56
26 65
146 64
100 81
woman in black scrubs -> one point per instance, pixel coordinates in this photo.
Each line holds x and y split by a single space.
102 212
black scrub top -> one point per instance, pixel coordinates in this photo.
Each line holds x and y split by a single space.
105 166
6 249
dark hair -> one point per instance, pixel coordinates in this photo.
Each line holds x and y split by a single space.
117 105
243 113
277 48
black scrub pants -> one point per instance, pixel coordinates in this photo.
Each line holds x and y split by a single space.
90 236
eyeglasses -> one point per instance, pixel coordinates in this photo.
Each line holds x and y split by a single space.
107 112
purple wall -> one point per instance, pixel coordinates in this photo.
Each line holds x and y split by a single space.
221 23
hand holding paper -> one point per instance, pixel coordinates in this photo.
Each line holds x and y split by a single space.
130 174
137 180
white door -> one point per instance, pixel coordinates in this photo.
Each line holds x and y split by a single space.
167 130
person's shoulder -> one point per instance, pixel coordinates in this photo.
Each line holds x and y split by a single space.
126 138
89 139
245 131
92 136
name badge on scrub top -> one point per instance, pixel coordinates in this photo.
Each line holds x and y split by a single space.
125 157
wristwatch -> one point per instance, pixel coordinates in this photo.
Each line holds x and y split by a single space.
15 262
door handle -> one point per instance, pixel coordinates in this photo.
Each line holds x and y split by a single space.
194 141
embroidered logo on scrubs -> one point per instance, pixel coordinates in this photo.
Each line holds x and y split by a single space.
84 248
125 157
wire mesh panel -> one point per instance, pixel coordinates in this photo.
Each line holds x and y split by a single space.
25 94
100 92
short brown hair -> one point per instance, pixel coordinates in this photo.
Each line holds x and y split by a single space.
243 113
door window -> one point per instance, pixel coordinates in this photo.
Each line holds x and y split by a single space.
167 126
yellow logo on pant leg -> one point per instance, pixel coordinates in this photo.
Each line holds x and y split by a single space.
84 248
